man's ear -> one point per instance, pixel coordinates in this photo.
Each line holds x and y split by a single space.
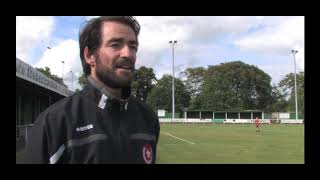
90 59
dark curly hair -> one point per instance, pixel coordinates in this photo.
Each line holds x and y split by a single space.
90 35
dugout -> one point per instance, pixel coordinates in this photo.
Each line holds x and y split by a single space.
222 115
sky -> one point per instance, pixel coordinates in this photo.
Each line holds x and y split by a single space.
263 41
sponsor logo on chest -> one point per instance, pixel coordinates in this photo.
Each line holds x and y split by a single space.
84 128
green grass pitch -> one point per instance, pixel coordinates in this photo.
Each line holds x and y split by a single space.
230 144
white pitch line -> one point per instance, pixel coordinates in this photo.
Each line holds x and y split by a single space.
177 137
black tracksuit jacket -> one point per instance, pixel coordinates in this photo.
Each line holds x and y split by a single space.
91 127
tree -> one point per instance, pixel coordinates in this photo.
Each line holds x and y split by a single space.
194 81
54 77
83 81
160 96
144 80
288 86
234 86
278 102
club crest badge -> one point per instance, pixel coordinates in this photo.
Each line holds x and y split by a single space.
147 153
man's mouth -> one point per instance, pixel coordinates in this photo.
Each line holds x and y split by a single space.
127 65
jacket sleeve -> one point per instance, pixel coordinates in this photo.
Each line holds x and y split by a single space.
157 132
37 143
157 127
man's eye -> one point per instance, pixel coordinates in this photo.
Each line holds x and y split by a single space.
115 45
134 47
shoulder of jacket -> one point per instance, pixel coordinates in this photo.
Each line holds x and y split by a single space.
143 106
83 94
58 108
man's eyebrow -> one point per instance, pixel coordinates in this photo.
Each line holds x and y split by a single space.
115 40
121 40
134 42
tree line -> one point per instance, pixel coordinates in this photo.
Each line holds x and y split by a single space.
228 86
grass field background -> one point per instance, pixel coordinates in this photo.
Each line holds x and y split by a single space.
231 144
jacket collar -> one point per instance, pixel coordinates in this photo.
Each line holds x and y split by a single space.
125 92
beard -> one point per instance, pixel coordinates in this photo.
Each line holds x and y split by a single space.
109 76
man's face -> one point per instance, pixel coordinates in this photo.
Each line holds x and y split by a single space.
116 56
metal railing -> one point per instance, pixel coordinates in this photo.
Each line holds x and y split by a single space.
22 135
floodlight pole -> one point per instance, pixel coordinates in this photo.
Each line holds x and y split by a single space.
62 70
173 42
71 79
295 82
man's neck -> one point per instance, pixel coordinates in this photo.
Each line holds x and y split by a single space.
116 92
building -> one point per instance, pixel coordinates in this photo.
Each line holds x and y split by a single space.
34 93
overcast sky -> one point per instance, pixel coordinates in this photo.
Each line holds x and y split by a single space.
263 41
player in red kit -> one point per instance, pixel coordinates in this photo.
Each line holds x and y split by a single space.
257 124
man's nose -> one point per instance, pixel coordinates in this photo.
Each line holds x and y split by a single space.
127 52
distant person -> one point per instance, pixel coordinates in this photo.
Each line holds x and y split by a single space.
257 122
103 123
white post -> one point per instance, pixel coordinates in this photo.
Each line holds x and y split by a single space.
39 104
50 100
19 113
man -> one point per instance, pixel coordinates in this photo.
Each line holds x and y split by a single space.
102 123
257 124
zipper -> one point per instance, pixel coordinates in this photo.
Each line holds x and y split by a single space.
119 131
